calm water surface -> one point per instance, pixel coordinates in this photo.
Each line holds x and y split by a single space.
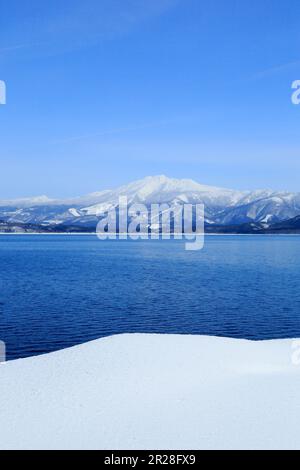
58 291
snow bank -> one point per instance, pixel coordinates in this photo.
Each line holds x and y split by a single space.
153 392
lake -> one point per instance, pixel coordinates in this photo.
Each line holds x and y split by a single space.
58 291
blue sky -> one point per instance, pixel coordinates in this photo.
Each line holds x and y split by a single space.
102 92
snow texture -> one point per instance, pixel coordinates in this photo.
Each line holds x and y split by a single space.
153 392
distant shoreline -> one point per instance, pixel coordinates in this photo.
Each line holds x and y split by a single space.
95 234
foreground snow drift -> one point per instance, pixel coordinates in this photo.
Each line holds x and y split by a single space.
153 392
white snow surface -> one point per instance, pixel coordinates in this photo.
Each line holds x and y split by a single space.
222 206
153 392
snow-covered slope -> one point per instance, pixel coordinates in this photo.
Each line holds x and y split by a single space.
222 206
267 208
160 189
27 202
153 392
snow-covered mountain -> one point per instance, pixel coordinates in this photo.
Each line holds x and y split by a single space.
222 206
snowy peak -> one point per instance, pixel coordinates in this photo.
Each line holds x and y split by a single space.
161 189
222 206
27 202
153 184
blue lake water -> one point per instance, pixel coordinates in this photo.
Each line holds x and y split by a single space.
58 291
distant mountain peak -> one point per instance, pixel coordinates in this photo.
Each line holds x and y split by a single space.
165 183
27 201
222 206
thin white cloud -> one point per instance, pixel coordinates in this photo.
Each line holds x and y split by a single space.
116 131
17 47
80 24
13 48
275 70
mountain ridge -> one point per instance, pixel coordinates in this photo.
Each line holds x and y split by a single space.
222 206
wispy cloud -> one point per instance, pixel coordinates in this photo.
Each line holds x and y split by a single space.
13 48
20 47
121 130
277 69
78 24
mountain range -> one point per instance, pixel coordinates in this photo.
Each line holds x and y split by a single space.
226 210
